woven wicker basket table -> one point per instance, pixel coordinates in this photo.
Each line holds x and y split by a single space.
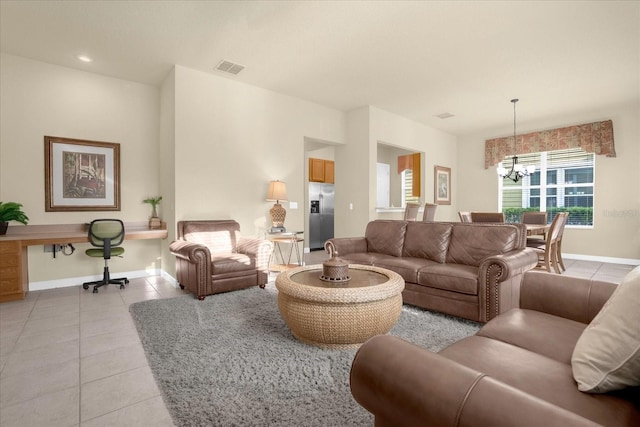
339 315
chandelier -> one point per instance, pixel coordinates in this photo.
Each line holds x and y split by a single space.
517 170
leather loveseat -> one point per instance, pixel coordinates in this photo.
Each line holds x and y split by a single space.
524 368
466 270
212 257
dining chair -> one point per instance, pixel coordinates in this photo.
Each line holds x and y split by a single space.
549 250
429 213
559 243
464 216
487 217
411 211
529 217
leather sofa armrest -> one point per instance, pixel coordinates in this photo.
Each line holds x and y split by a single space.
347 245
192 257
573 298
507 265
189 251
402 384
499 279
259 249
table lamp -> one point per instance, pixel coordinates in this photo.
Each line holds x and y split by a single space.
277 192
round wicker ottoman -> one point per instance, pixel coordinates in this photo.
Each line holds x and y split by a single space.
339 315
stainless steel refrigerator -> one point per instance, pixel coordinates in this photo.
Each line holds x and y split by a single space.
320 214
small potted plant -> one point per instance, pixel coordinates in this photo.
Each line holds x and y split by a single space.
154 221
11 211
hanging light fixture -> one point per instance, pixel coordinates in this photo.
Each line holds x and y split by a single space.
517 170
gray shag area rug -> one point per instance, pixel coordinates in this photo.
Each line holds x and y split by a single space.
230 360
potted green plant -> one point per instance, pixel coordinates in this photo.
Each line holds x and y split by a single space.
11 211
154 221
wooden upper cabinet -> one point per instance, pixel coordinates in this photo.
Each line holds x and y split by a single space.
321 170
329 175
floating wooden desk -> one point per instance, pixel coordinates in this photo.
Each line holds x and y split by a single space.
14 265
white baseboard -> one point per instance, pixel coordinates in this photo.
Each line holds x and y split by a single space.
77 281
169 278
611 260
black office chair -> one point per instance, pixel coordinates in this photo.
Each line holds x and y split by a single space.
107 236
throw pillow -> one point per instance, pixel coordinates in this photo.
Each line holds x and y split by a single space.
607 354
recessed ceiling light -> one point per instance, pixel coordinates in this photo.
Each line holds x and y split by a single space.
84 58
445 115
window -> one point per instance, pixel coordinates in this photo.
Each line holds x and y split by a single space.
407 188
563 182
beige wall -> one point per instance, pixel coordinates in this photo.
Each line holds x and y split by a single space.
616 230
439 148
231 139
39 99
167 151
209 146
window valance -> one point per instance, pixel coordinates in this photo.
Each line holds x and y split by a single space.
594 137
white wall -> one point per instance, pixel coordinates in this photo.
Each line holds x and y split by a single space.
616 230
231 139
40 99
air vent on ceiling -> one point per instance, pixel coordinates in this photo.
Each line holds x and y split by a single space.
229 67
445 115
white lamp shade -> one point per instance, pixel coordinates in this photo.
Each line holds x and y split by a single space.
277 191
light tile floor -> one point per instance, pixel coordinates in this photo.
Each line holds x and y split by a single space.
69 357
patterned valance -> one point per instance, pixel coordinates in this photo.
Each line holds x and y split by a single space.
594 137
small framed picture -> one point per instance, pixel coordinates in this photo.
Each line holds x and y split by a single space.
81 175
442 190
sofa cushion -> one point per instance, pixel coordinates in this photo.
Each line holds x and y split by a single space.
470 244
542 377
223 263
542 333
366 258
406 267
607 354
427 240
450 277
216 241
386 237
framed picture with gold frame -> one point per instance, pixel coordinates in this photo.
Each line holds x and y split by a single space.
442 184
81 175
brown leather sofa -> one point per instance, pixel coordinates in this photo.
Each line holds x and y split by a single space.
212 257
516 371
466 270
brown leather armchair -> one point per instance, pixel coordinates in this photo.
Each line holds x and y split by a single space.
212 257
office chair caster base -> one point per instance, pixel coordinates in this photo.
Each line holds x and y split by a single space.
85 286
95 290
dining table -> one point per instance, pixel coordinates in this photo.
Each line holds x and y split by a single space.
535 229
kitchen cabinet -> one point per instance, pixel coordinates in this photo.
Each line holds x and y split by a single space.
321 170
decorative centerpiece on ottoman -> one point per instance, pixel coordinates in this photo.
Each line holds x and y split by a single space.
339 311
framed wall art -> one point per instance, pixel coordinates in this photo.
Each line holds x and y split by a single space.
442 190
81 175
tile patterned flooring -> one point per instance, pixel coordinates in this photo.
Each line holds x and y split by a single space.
69 357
